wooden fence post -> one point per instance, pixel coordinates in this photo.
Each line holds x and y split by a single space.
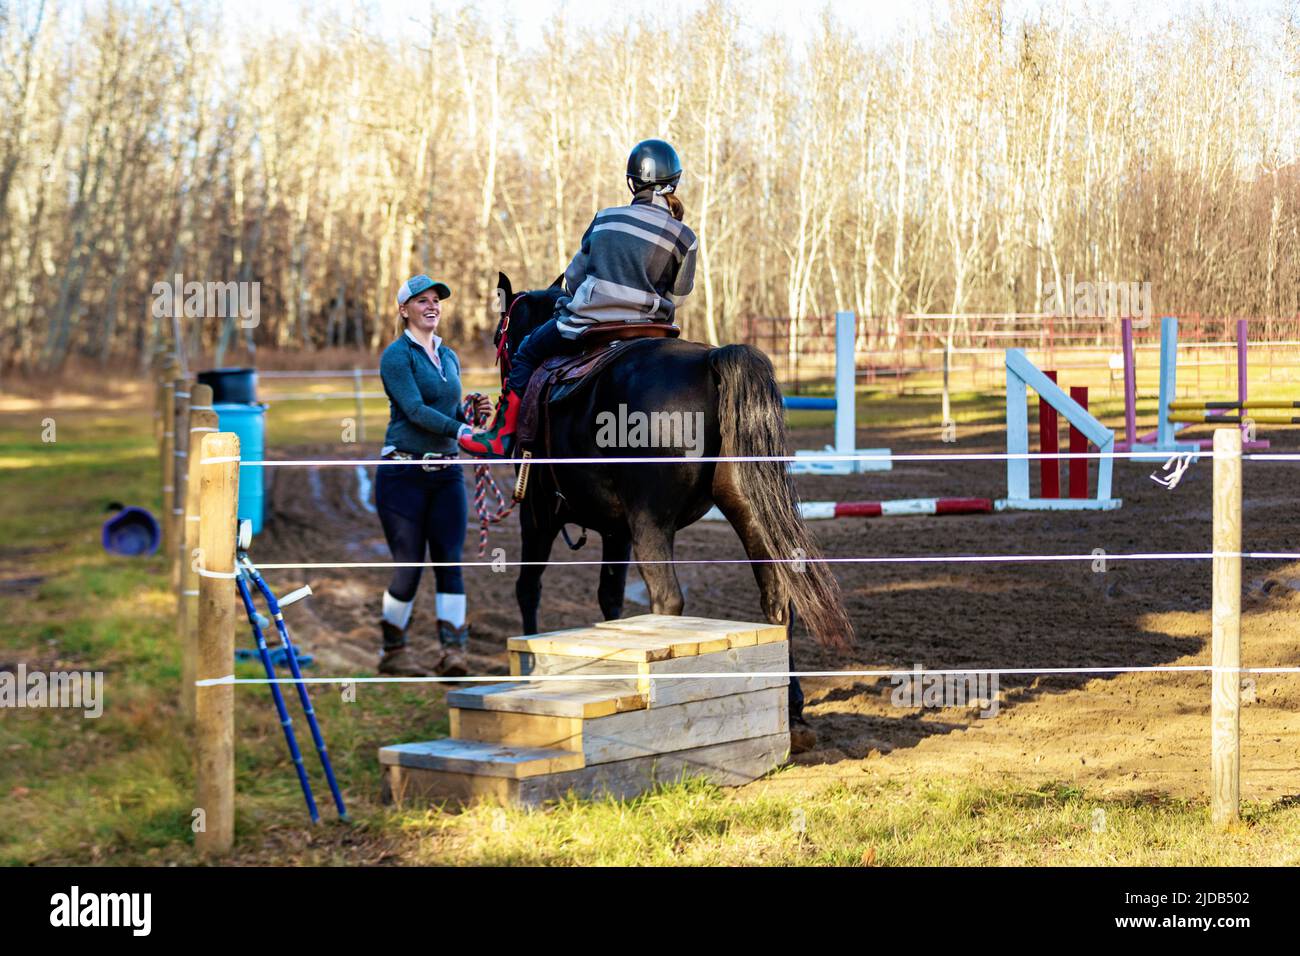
361 406
214 705
1225 653
203 421
159 397
167 455
180 472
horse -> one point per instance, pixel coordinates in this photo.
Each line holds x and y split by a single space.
638 509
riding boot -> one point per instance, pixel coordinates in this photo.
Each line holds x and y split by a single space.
397 658
454 640
497 440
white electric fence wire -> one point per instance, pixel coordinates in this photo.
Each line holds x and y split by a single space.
881 559
912 673
820 457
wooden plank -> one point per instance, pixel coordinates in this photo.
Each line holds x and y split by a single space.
747 660
750 661
517 730
578 698
650 637
524 663
478 757
634 647
708 631
730 764
416 787
522 643
697 723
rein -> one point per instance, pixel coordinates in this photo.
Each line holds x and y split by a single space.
503 340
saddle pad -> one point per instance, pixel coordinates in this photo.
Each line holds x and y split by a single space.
561 377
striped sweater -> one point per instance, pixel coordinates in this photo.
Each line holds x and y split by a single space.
633 261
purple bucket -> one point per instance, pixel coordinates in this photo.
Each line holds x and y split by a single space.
132 532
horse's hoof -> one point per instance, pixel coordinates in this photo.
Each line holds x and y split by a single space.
802 737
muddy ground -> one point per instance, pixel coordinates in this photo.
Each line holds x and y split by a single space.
1145 732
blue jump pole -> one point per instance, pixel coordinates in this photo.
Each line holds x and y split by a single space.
808 403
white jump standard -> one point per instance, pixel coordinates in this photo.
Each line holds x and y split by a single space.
1022 374
845 405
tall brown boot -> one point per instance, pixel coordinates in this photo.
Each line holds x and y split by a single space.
397 659
454 663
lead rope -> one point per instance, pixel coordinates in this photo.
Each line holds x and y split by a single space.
483 483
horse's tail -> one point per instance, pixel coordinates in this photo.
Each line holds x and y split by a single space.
751 417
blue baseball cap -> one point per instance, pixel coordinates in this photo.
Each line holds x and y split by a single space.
417 284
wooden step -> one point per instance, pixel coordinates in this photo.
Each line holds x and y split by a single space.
707 631
747 663
727 764
635 733
624 705
649 638
516 729
697 723
583 699
480 758
594 643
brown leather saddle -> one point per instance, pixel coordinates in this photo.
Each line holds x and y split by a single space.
563 376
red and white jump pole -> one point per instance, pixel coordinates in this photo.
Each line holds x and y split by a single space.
813 510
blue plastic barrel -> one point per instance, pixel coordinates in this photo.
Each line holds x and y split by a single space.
249 423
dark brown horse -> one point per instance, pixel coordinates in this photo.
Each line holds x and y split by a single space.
638 509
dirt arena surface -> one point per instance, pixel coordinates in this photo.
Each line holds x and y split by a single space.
1144 733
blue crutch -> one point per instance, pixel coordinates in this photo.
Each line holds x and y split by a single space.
285 721
291 655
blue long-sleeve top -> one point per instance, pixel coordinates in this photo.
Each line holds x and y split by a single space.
424 409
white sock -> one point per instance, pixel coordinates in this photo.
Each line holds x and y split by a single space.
451 608
397 613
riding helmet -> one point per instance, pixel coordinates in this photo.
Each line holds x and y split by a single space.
653 162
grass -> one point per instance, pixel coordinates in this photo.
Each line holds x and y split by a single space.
119 789
941 822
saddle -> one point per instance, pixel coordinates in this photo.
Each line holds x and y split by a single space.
564 376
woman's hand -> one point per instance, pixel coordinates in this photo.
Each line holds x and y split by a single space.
482 406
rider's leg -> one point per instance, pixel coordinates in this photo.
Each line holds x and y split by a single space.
539 345
497 440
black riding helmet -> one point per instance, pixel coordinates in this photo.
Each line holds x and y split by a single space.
653 162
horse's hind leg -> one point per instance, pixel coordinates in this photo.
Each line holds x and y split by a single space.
731 501
536 546
615 548
653 544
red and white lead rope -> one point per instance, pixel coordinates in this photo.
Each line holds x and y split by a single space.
483 483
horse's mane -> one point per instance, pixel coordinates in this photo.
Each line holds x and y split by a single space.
537 306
